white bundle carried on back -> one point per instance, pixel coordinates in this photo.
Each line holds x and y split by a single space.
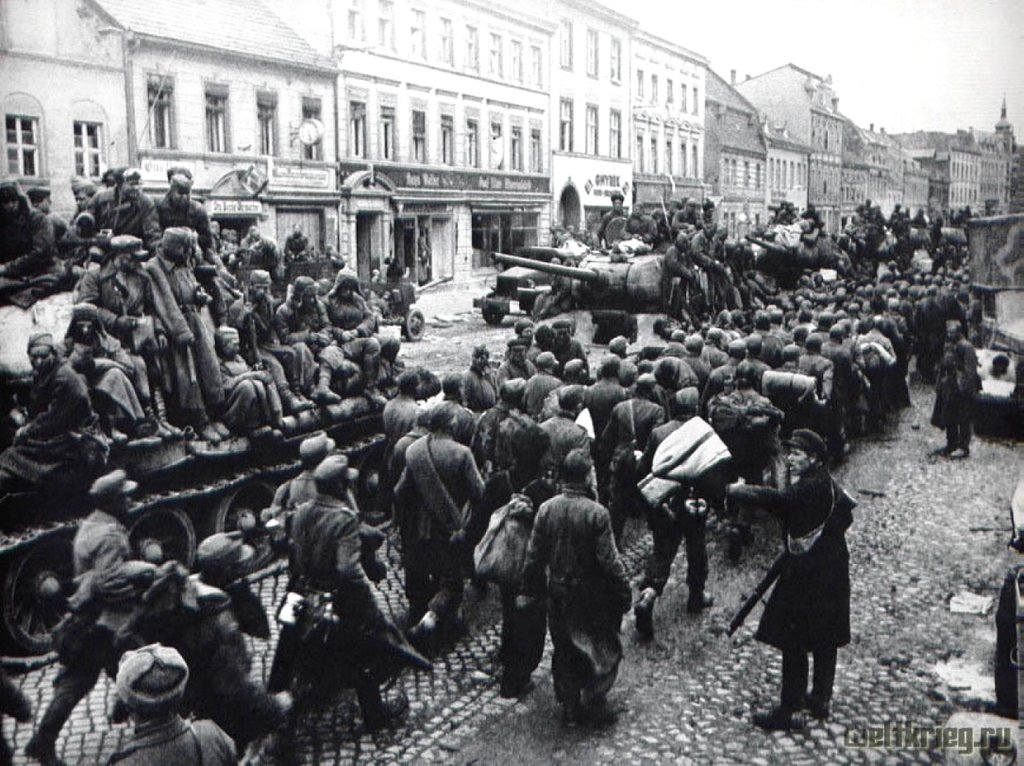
685 456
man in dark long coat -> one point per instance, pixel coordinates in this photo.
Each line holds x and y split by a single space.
809 609
126 209
28 248
956 387
572 561
480 385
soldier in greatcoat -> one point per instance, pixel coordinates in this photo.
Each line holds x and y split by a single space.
490 453
540 384
45 449
251 404
808 611
126 209
480 384
956 386
353 328
302 319
192 371
565 433
573 563
516 365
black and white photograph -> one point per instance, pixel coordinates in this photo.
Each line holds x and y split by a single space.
527 382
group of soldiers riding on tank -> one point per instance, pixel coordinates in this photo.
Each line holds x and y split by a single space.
783 377
168 339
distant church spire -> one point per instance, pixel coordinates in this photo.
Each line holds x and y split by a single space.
1003 124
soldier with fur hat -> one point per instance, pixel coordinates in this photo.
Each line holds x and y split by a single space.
252 405
126 209
515 364
28 246
222 561
151 683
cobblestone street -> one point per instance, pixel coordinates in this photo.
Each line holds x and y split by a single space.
923 531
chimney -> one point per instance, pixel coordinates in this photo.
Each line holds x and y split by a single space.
746 78
882 130
732 77
871 127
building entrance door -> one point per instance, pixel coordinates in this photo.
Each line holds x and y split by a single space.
367 251
569 208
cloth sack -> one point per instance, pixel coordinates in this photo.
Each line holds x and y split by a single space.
500 556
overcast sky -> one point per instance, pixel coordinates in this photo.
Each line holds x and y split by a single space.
901 64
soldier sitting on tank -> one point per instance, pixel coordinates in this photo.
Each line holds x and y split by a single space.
604 236
262 253
391 367
123 297
45 449
291 366
302 321
117 380
641 226
28 248
191 369
354 327
126 209
251 403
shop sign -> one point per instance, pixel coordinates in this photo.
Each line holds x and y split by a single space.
301 177
155 169
234 207
451 180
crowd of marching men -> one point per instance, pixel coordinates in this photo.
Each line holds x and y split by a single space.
523 476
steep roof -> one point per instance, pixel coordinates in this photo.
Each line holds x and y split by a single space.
777 136
242 27
935 141
721 92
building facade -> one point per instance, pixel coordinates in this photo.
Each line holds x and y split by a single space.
866 172
808 106
787 168
591 57
736 158
915 184
668 122
252 119
953 163
55 129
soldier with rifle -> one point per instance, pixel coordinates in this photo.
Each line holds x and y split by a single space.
809 610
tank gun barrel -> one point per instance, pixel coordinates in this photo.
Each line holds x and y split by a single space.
769 246
584 275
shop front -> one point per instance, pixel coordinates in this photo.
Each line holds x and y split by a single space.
274 196
583 188
436 223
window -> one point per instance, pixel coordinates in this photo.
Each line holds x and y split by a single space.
516 149
419 136
592 52
447 51
536 152
670 94
356 23
311 111
565 45
654 89
161 124
757 176
418 35
591 129
616 60
472 144
447 139
387 133
386 24
669 156
266 120
536 67
696 162
497 147
565 125
472 49
683 169
516 60
682 97
497 64
216 120
88 149
746 174
615 134
502 233
639 161
654 154
22 143
640 84
357 128
696 100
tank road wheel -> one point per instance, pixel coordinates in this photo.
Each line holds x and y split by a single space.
239 511
164 534
35 589
492 315
414 325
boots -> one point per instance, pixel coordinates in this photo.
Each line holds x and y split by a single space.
294 402
323 394
643 611
164 429
698 601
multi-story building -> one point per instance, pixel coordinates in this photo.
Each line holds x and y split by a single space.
444 132
668 121
809 108
591 57
915 184
996 164
736 157
865 174
953 162
252 117
54 128
787 167
892 158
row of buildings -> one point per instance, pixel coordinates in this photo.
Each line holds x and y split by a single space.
438 132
